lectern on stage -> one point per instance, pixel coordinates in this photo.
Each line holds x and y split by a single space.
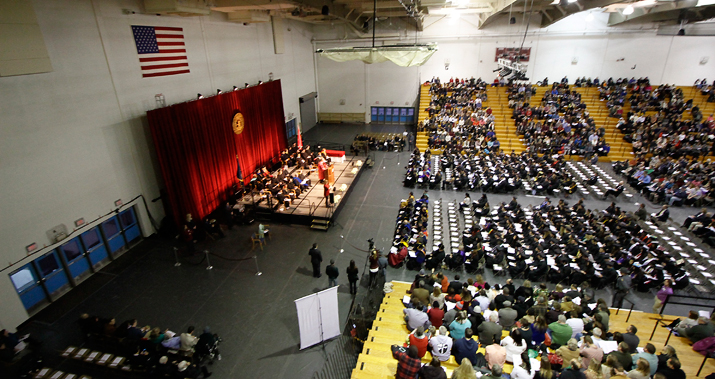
329 175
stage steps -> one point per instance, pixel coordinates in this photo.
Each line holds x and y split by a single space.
320 224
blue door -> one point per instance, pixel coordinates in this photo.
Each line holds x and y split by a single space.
403 115
96 251
381 114
388 114
130 227
410 115
74 256
113 235
52 274
373 112
28 286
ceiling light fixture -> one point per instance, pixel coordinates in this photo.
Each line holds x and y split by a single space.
235 88
572 1
628 10
555 2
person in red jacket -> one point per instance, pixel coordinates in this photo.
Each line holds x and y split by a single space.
420 340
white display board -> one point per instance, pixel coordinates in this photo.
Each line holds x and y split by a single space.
318 317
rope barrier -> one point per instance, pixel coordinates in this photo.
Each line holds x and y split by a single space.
232 259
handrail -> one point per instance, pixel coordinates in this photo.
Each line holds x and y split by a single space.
699 303
629 311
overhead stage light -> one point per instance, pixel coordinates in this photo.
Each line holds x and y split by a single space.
246 85
260 82
199 96
218 91
628 10
235 88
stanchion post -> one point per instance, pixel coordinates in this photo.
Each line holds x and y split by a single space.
258 271
208 262
176 257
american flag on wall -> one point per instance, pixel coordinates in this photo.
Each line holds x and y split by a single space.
161 50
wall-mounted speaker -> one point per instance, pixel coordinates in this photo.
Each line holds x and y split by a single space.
325 10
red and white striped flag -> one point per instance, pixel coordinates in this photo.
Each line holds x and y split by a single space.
161 50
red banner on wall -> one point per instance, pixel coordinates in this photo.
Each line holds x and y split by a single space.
512 53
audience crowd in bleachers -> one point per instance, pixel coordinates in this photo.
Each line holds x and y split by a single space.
456 118
706 89
675 182
527 332
655 123
559 124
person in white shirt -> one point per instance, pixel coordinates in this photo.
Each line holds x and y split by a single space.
441 344
596 335
576 324
483 300
188 340
514 345
522 370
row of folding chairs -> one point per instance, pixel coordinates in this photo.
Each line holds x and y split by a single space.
701 266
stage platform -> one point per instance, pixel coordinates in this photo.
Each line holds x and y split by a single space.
310 204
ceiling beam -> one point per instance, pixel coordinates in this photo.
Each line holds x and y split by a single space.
559 12
336 10
665 12
498 6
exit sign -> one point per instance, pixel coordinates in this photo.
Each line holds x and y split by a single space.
31 247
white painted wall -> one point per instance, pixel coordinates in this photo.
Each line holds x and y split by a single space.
74 140
596 48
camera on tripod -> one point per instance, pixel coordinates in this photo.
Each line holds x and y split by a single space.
372 243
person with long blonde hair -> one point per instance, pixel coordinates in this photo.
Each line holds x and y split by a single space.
479 281
437 296
594 370
545 371
642 370
464 371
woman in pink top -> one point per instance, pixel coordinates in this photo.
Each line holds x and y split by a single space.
590 351
660 297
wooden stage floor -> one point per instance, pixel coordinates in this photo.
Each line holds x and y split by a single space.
311 203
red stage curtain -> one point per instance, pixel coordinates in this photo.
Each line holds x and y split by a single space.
197 147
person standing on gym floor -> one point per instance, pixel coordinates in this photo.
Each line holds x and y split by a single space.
315 258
